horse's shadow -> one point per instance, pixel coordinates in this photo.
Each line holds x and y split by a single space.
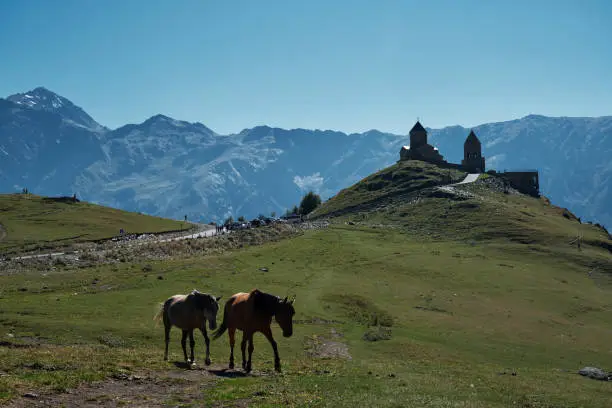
223 372
228 373
182 364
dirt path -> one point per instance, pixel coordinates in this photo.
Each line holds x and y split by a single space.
159 389
450 188
203 231
470 178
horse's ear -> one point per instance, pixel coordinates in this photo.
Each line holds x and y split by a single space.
218 297
285 299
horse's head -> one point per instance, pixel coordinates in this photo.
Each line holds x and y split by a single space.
209 306
284 316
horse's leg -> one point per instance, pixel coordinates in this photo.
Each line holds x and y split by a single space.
243 348
167 327
268 333
192 344
207 341
232 339
184 343
251 348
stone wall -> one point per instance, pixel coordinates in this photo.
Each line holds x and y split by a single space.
526 181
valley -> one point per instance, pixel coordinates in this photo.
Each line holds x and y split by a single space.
406 294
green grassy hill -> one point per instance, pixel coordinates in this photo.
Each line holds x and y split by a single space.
424 298
392 184
29 222
404 196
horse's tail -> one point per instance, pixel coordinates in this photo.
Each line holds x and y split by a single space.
223 327
160 313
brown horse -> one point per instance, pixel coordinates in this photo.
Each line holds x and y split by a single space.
252 312
189 312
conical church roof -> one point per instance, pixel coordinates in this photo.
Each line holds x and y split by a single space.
472 139
417 127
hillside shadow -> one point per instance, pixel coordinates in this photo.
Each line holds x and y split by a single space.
64 199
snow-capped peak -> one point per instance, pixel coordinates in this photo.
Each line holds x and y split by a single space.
40 98
43 99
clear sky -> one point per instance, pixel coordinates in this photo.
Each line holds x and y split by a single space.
344 65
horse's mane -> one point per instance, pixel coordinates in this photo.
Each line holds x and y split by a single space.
199 299
264 303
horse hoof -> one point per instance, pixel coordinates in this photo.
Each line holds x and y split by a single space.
278 369
207 361
231 366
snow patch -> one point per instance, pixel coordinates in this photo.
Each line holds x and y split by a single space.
313 182
343 157
236 172
56 103
496 161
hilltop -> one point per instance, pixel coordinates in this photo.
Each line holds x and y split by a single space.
29 221
394 184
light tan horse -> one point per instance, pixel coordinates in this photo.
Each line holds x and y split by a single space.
252 312
189 312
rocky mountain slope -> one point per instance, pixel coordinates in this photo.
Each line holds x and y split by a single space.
173 168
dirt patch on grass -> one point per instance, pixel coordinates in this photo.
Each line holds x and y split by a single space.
168 388
2 232
327 346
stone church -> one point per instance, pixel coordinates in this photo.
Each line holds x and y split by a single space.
419 149
525 181
472 154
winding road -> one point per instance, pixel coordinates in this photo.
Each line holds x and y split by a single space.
208 231
204 231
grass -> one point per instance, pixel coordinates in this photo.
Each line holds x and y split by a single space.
391 183
509 221
32 222
462 319
434 299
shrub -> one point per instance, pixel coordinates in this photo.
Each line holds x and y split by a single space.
377 333
309 203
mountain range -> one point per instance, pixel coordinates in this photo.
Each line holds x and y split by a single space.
174 168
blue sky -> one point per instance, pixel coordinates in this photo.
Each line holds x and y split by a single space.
343 65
